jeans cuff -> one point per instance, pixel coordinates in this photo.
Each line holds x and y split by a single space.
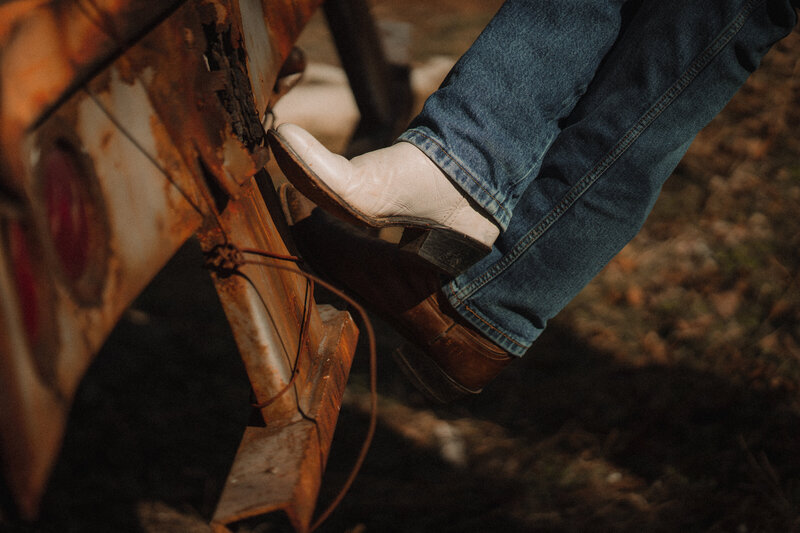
489 330
491 201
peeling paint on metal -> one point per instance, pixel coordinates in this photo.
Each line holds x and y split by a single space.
167 115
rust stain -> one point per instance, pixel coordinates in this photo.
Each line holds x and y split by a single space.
11 12
197 123
179 176
66 41
36 63
129 72
286 19
280 467
105 140
48 50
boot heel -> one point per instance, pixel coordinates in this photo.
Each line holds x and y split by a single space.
449 251
427 376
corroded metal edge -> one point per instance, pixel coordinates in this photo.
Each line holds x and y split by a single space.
279 467
49 50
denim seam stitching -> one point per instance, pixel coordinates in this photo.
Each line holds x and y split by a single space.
489 324
467 172
691 72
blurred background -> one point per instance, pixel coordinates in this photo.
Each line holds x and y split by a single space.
664 398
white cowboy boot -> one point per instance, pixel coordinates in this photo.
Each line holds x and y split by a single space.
394 186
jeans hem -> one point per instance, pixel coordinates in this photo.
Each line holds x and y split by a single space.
489 200
484 325
465 293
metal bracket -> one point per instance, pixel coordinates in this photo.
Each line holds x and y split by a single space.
279 467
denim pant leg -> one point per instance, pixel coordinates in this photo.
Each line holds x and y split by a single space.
494 117
672 69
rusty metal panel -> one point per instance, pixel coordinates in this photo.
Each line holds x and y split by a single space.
50 48
263 60
138 219
264 306
153 131
131 218
278 467
286 19
207 108
26 390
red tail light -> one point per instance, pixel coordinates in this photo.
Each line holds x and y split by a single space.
67 210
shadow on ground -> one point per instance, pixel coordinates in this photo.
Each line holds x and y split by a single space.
567 440
571 440
699 434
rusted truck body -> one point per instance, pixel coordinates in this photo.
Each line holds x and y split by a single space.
127 127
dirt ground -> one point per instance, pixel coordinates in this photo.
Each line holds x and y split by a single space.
664 398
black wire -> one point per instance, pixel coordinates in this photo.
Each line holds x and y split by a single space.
141 149
269 313
370 333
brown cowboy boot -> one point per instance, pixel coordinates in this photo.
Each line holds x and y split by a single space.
451 358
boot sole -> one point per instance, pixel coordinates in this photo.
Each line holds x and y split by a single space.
427 376
448 250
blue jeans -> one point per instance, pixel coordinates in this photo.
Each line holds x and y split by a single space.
563 121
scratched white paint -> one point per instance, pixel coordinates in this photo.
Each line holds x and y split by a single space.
138 200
